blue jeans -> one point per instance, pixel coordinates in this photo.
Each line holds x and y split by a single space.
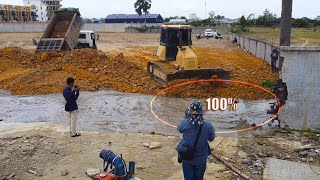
274 65
192 172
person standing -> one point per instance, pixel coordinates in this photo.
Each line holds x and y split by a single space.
71 94
193 150
274 58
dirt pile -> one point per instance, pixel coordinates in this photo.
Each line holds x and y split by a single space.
27 72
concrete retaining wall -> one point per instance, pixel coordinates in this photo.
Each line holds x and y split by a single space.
255 47
195 30
40 27
116 27
301 72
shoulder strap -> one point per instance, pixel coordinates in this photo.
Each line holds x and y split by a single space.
197 138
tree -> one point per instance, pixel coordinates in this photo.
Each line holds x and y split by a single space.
250 17
143 6
211 15
286 22
267 19
243 23
219 18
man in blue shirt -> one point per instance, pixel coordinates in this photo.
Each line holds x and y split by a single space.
194 169
71 94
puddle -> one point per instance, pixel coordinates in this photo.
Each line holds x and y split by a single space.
105 111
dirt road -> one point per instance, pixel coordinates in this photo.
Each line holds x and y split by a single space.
48 150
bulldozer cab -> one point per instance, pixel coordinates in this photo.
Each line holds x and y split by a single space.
174 37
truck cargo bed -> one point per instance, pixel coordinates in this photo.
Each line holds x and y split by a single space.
61 33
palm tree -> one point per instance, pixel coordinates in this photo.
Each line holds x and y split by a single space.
286 22
143 6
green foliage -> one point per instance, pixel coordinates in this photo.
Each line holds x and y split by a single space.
142 6
243 22
303 22
30 152
218 18
203 23
211 15
308 132
267 19
268 83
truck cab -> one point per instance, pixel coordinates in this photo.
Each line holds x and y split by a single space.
87 39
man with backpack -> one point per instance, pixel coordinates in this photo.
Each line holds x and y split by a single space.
71 94
193 150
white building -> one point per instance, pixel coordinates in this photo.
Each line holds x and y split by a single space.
45 8
317 18
193 17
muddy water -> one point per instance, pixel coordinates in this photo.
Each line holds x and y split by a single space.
121 112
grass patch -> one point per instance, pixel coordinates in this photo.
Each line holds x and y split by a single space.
30 152
300 36
268 83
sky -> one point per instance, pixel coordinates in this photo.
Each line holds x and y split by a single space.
227 8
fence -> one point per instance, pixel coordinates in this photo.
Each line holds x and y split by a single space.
38 27
257 48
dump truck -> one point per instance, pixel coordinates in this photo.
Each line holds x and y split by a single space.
62 32
177 59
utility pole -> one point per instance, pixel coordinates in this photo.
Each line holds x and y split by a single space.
286 22
205 9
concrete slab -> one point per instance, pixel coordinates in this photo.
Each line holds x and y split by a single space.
277 169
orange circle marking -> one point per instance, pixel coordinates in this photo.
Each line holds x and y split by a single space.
215 80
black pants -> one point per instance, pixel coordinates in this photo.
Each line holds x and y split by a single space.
274 65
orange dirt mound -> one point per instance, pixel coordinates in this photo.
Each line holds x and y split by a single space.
26 72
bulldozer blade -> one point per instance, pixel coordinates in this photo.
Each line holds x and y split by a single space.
161 75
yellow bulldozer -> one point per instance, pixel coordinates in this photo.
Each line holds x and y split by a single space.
177 58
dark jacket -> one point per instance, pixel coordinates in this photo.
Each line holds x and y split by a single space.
71 97
202 149
274 55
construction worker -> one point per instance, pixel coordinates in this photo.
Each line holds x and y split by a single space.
193 150
235 41
71 94
274 58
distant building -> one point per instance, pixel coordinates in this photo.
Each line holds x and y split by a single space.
44 8
317 18
14 13
228 21
95 20
177 21
134 18
193 17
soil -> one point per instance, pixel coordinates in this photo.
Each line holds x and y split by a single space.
48 150
60 29
124 70
43 151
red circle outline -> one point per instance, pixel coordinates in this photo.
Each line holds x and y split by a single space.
216 80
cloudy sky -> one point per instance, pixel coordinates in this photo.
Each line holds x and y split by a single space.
228 8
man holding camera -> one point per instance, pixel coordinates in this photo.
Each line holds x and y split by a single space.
71 94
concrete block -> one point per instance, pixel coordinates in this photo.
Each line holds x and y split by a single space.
277 169
241 41
246 44
253 47
261 50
